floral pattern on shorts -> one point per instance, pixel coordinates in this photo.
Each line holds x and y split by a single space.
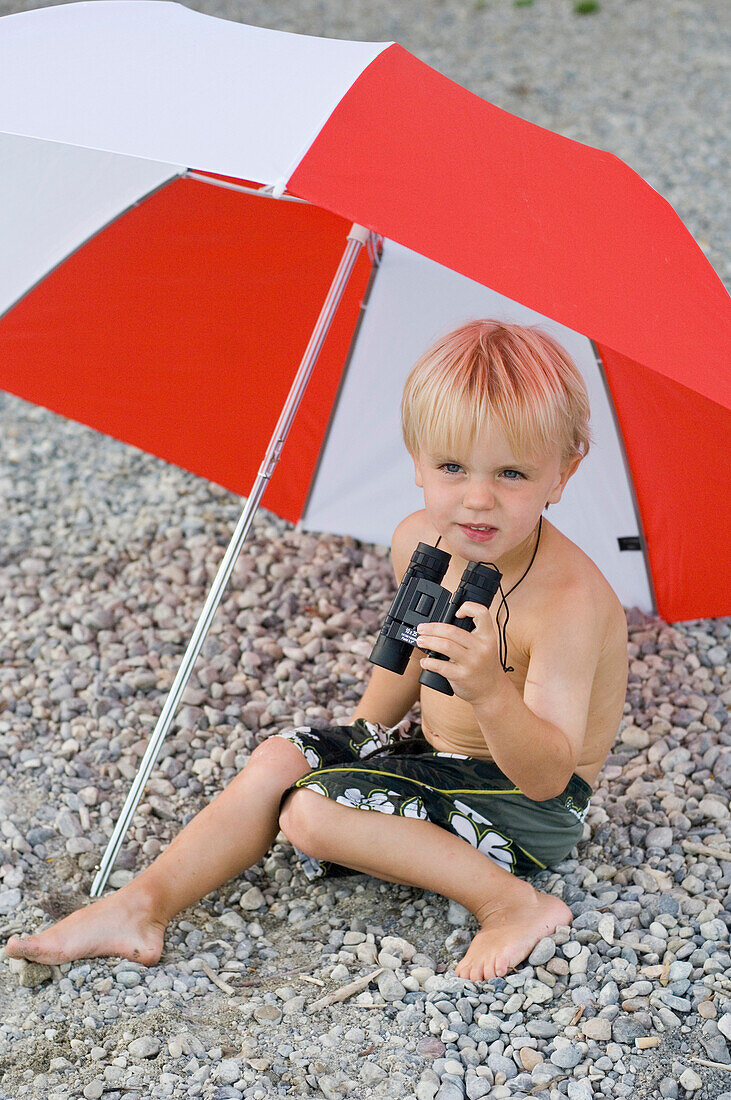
366 766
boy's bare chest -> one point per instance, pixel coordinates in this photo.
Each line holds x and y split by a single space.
449 722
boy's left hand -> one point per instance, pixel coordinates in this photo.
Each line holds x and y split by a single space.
474 668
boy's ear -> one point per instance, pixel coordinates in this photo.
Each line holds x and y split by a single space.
567 471
418 478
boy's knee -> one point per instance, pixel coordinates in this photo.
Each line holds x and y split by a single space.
277 756
300 818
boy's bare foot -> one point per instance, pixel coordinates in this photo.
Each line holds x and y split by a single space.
120 925
510 930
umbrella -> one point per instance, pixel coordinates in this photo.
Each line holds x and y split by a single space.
178 189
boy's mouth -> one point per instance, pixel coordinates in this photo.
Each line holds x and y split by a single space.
478 532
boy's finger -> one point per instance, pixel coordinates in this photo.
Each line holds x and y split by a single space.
428 632
445 646
476 611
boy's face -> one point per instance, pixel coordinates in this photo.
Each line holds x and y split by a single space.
484 501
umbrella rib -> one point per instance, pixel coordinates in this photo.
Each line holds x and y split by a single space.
261 192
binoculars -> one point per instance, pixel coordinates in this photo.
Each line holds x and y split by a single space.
420 599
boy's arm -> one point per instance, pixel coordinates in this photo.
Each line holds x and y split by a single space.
534 738
389 697
539 735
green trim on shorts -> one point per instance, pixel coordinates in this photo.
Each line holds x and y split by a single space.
429 786
303 785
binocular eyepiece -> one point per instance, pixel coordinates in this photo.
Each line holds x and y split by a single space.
421 599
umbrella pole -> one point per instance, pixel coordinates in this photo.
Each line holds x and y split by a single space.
357 237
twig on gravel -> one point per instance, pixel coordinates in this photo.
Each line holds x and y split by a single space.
705 850
724 988
640 948
713 1065
345 991
215 978
308 978
279 974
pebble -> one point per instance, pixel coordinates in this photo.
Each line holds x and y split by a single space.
147 1046
30 974
252 899
101 579
597 1028
690 1080
390 988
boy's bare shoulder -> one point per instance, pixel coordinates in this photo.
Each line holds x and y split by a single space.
411 530
570 585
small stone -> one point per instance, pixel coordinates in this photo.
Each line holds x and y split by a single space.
430 1047
707 1010
391 962
544 950
597 1028
147 1046
479 1087
714 929
567 1057
457 914
390 987
252 899
714 809
176 1046
128 978
690 1080
724 1025
530 1058
626 1030
450 1091
294 1005
458 940
30 974
396 945
635 737
372 1072
228 1071
95 1089
9 900
334 1086
659 838
427 1089
605 928
267 1014
580 1090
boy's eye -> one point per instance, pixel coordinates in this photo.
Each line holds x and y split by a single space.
512 475
451 467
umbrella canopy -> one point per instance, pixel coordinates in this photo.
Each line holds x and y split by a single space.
104 105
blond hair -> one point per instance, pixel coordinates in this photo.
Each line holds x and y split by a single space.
488 371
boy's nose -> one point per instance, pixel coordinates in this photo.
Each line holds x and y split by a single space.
478 497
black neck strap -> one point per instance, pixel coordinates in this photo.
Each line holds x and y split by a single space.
502 627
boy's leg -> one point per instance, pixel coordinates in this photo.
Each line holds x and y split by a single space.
225 838
513 915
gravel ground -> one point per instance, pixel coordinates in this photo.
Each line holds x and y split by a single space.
103 568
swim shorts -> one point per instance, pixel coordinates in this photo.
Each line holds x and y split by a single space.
397 771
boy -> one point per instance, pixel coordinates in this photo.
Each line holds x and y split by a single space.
495 417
